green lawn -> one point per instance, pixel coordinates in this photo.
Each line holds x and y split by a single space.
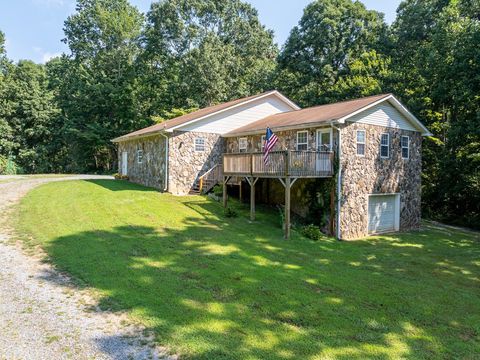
217 288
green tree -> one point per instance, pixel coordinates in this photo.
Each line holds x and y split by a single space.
334 53
202 52
435 62
98 96
5 130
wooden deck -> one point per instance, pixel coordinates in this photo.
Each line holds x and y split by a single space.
295 164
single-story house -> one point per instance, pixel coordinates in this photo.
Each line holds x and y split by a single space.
370 146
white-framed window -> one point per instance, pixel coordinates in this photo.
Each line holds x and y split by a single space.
139 156
361 140
242 144
324 140
199 144
385 146
405 143
302 140
262 143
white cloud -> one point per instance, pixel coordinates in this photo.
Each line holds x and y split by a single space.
45 56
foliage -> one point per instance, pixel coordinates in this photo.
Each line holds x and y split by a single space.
312 232
230 212
218 190
202 52
8 167
189 277
334 53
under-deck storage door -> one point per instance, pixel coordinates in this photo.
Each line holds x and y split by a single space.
383 213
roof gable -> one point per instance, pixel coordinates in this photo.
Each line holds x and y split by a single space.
201 114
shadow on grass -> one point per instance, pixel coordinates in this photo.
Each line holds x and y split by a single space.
218 289
121 185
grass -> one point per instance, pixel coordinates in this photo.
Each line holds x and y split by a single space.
216 288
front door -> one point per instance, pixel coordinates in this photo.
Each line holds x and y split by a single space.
124 163
324 144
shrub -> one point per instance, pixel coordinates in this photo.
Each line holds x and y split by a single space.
117 176
230 213
218 190
312 232
8 167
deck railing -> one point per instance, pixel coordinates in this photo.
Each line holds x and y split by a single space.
280 164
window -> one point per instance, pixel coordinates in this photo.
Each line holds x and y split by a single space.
385 146
199 144
405 142
324 140
242 144
361 142
302 140
262 144
139 156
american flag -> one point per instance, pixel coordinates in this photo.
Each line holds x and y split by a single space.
270 141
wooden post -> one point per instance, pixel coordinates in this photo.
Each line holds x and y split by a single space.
225 180
240 193
287 208
252 199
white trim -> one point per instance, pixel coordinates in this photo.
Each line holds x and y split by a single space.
240 142
405 147
398 105
303 143
124 163
274 92
388 148
397 212
318 138
195 144
313 125
364 143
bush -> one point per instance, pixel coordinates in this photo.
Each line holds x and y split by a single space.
218 190
312 232
8 167
117 176
230 213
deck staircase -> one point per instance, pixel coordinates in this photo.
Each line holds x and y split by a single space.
207 181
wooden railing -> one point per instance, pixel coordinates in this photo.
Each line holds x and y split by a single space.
211 178
280 164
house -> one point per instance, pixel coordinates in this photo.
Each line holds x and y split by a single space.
370 146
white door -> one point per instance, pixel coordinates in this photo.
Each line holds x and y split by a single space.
124 163
324 144
383 213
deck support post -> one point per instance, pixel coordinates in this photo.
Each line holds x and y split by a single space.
287 207
225 181
252 181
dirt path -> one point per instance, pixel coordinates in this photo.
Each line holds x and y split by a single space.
42 316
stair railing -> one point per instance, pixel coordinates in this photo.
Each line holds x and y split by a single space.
211 178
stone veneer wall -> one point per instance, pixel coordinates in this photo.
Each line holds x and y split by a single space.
185 164
374 175
151 172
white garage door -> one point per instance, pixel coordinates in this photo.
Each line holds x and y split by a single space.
383 214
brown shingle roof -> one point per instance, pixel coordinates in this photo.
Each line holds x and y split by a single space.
187 118
312 115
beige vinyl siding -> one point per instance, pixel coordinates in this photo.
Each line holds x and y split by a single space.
240 116
384 115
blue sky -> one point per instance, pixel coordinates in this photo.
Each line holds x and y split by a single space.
33 28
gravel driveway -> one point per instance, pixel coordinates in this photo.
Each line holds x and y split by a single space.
42 316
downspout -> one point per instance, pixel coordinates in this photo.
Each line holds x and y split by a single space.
339 181
165 188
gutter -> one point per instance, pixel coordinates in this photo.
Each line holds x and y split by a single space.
339 181
166 161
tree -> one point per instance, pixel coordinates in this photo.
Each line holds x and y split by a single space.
435 62
334 53
202 52
5 130
98 98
